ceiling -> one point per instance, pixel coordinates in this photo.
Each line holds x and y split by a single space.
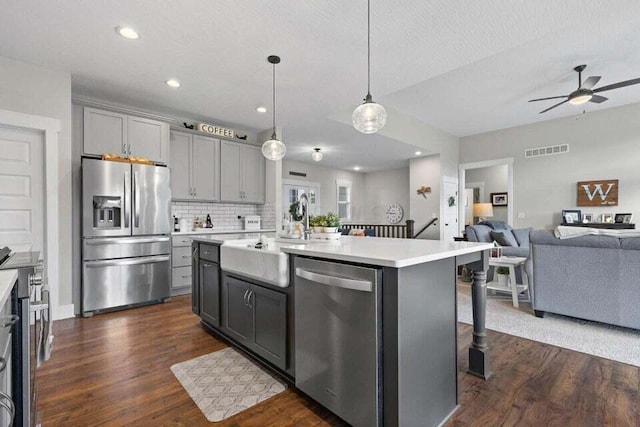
464 67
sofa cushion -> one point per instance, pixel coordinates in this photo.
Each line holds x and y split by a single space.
511 251
479 233
522 236
504 237
632 243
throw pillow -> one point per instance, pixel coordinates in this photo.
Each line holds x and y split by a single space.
504 238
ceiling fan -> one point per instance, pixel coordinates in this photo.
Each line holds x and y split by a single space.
585 91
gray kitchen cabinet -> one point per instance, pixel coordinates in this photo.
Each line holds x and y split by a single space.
194 166
148 138
209 292
270 324
242 173
104 132
195 280
125 135
238 316
180 154
257 318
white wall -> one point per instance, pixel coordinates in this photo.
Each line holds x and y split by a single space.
495 180
603 145
425 171
383 188
34 90
327 177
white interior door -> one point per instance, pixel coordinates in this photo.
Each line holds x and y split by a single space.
21 189
450 210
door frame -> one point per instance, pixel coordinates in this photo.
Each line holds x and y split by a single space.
443 201
49 128
462 169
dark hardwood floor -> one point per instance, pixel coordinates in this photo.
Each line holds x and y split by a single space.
113 370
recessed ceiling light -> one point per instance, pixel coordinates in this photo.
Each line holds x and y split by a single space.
261 109
173 83
356 168
418 153
128 33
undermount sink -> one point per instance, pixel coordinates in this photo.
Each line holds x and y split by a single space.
267 264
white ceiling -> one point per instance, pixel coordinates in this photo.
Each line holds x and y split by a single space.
462 66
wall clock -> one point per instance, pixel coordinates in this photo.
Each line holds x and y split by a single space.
394 213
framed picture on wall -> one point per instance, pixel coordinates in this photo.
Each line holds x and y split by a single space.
499 199
606 218
623 218
587 218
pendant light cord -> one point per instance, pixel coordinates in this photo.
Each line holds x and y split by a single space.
368 47
274 102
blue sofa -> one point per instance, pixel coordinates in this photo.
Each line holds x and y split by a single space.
589 277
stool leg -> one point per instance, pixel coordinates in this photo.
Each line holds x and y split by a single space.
514 286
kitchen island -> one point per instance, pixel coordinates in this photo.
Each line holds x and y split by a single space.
366 326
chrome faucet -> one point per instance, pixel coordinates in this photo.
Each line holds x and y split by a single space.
303 209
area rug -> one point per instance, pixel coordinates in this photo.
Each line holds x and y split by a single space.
225 382
598 339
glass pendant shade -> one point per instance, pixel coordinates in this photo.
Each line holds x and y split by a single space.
316 155
369 117
274 149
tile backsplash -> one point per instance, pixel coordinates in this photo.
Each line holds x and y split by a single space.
224 215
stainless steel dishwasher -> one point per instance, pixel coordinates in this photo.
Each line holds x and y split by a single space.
338 338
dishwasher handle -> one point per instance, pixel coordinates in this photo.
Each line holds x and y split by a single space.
335 281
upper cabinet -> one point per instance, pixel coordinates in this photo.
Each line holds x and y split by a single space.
242 173
194 167
110 132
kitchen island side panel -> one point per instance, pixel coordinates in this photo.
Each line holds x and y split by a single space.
420 344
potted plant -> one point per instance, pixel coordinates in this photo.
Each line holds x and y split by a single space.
317 223
503 275
293 210
333 223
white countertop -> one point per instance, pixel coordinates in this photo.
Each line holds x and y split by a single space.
219 231
385 252
7 280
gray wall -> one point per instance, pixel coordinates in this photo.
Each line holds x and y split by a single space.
494 179
383 188
34 90
425 171
603 145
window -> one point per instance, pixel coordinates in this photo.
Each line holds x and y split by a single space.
344 199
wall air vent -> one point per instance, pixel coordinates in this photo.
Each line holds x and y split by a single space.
546 151
302 174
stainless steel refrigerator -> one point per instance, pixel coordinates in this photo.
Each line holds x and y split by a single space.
126 247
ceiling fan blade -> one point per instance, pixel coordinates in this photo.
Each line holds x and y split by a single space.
590 82
598 99
554 106
618 85
551 97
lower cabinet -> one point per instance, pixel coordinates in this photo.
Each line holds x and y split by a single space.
256 317
209 292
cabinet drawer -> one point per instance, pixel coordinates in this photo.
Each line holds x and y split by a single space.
181 257
210 252
177 241
181 277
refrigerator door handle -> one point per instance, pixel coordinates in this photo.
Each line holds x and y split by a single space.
136 201
124 240
124 202
127 261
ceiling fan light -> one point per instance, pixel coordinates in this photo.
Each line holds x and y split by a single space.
316 155
580 99
369 117
274 149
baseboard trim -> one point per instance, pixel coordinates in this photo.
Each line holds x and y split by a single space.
64 312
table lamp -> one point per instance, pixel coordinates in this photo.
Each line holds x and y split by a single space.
482 210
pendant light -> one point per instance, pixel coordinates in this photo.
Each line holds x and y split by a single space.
369 117
316 155
274 149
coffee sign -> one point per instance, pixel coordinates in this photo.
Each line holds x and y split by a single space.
215 130
598 193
